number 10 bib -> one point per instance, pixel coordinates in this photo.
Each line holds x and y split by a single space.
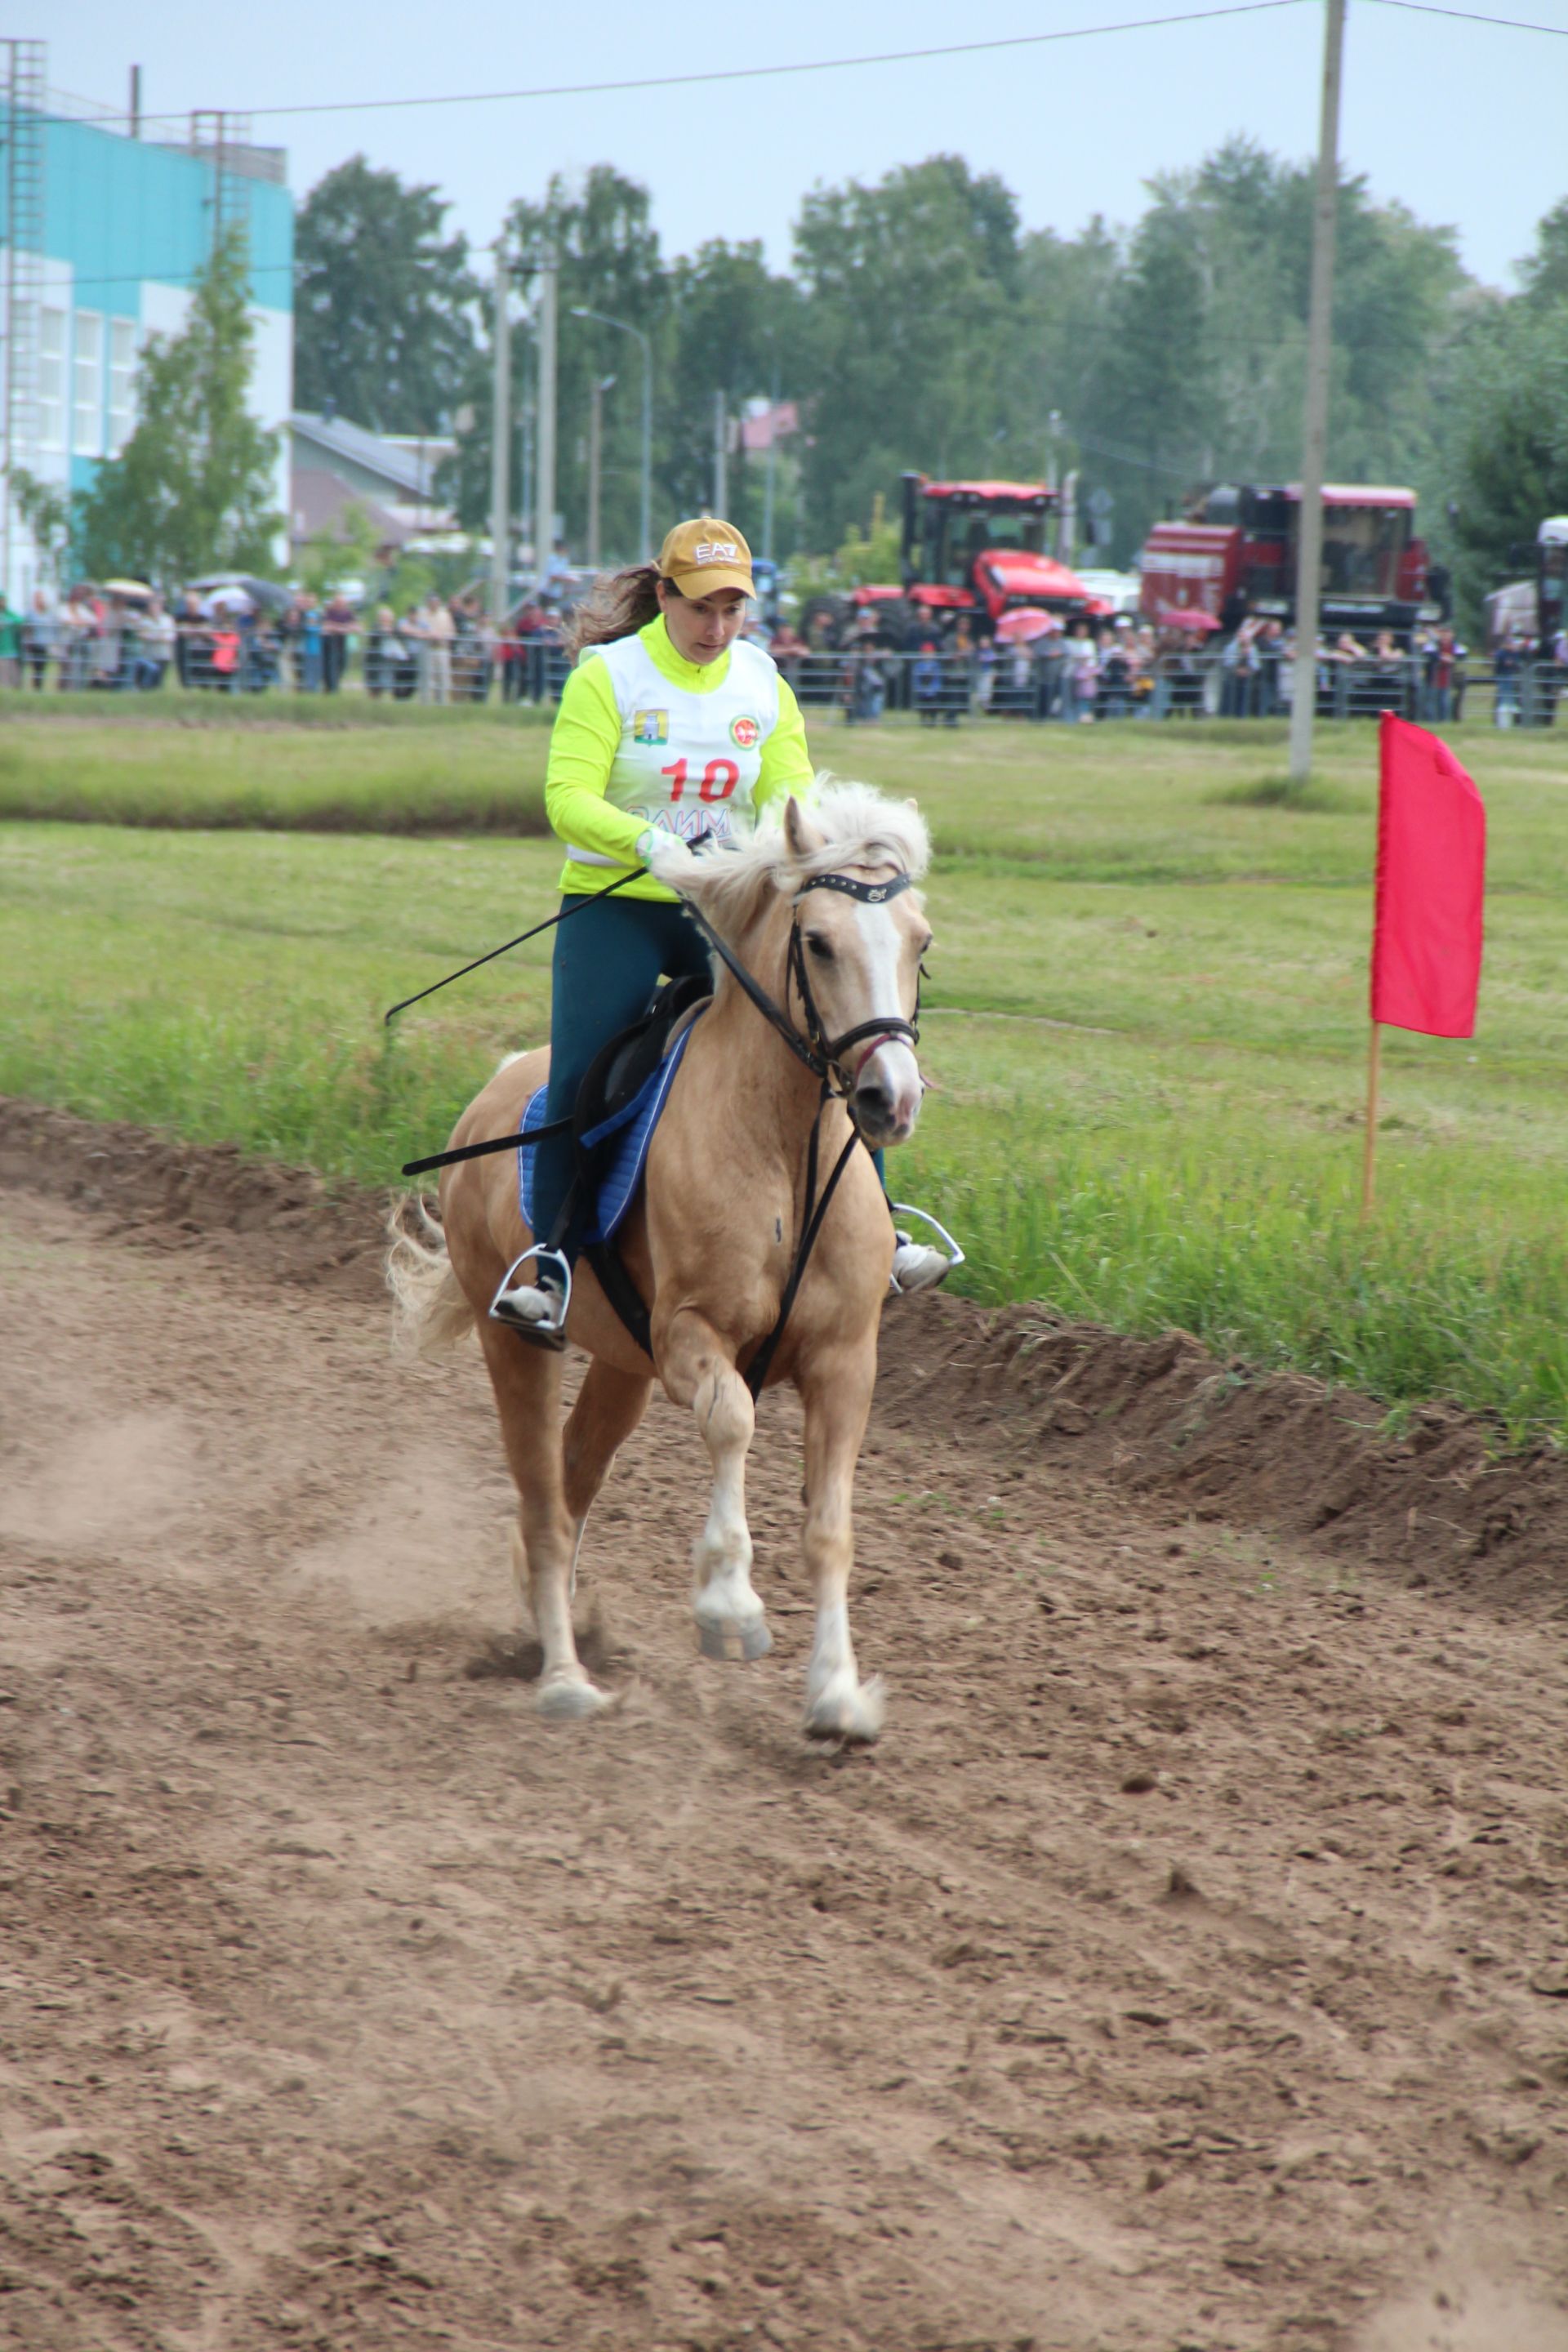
689 763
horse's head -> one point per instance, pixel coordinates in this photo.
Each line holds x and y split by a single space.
823 913
855 978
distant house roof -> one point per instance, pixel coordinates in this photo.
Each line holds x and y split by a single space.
320 498
768 423
407 466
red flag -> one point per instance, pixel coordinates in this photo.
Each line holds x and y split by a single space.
1431 879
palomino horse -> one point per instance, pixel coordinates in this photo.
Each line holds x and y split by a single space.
712 1243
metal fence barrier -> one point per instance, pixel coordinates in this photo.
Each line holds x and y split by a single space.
1028 683
1033 683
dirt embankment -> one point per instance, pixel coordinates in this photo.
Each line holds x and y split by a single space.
1443 1499
1187 1968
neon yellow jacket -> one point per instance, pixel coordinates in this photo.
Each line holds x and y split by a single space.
583 747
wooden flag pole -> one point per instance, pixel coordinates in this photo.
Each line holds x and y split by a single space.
1368 1142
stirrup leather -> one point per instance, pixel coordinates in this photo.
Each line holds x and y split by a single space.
538 1335
944 1239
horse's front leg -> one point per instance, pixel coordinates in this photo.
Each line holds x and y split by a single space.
835 1389
698 1371
610 1404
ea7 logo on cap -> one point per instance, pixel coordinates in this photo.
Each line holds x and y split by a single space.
715 550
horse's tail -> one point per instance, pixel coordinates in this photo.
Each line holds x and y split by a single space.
430 1312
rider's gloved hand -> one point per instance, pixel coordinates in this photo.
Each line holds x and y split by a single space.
667 858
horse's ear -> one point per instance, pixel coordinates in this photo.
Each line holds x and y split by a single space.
802 836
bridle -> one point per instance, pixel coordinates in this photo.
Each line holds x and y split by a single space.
822 1056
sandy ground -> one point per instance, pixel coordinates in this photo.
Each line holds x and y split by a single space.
1186 1970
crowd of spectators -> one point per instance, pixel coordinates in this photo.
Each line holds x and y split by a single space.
1122 667
246 637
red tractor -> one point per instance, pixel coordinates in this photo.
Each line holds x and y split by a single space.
968 547
1233 552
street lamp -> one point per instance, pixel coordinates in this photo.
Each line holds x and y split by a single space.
581 311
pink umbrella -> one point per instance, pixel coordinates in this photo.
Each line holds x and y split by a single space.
1021 627
1187 617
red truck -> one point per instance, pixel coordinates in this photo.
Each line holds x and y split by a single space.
968 547
1233 552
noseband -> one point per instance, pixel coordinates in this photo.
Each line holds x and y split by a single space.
822 1056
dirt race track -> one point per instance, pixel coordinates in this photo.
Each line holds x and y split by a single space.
1187 1968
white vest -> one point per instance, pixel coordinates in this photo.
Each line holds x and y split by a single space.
688 764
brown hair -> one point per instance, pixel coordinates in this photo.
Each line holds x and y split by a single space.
618 604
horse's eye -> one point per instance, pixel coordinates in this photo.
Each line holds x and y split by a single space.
820 948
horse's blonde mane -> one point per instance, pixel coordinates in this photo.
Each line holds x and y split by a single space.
863 827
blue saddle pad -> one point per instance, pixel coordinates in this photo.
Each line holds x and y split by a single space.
634 1123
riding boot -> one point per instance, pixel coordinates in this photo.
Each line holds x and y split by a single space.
537 1309
917 1265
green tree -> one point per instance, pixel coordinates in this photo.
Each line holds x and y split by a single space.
349 550
1511 394
191 490
385 305
1545 270
45 513
731 330
1193 357
1158 396
910 291
608 258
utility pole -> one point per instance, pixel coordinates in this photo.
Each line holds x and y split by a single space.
525 474
596 471
545 441
720 459
1315 419
645 519
501 443
772 468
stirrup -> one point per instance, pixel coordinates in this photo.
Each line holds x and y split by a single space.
537 1333
949 1247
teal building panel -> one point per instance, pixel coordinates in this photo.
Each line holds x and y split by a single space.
122 211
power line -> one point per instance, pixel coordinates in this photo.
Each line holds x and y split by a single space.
1473 16
109 121
760 73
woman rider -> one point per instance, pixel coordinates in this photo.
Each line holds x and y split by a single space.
671 721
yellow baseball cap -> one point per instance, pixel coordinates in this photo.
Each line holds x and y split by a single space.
705 556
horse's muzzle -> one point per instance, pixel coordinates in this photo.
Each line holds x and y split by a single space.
887 1097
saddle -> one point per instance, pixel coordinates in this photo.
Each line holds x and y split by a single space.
618 1106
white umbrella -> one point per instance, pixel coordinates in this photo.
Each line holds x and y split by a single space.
230 600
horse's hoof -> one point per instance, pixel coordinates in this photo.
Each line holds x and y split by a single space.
564 1699
853 1714
734 1639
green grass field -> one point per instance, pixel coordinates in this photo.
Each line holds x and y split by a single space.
293 764
1146 1025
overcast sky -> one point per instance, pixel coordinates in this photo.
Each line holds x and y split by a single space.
1462 122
